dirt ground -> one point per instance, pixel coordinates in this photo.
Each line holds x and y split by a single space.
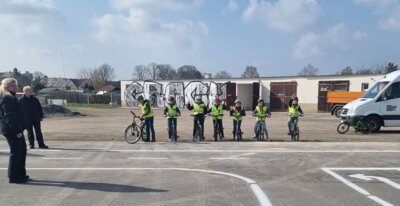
109 125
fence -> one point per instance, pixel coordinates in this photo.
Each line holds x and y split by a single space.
78 98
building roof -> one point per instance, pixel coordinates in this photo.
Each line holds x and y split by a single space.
60 83
48 90
109 88
269 77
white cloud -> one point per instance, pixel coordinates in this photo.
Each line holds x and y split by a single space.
26 16
387 10
155 4
338 37
287 15
232 6
143 30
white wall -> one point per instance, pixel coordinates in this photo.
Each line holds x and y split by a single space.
307 89
244 92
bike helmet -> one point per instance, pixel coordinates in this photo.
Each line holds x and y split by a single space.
171 98
260 100
238 101
217 100
198 98
140 98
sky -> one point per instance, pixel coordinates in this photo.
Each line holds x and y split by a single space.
279 37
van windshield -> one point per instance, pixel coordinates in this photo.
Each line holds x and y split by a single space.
378 87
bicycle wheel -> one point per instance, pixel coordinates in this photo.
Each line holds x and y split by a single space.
132 134
342 128
297 134
197 136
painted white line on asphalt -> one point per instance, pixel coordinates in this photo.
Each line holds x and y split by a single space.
363 168
229 158
255 188
260 151
356 187
148 158
36 150
61 158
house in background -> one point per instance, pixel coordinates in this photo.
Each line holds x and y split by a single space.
108 89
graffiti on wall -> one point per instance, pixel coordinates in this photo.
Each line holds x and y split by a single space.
153 91
177 90
132 92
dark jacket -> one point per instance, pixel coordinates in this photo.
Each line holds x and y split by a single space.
31 109
11 116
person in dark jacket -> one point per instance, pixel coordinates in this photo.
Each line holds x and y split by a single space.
33 115
11 127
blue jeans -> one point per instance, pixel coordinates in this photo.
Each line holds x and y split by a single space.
150 127
170 121
259 123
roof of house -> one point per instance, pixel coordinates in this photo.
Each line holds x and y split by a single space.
60 83
109 88
48 90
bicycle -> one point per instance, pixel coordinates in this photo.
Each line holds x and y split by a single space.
260 134
134 132
174 132
294 128
237 136
217 129
361 126
198 130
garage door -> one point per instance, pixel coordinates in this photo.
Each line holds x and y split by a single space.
280 95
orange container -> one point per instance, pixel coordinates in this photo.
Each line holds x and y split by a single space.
343 97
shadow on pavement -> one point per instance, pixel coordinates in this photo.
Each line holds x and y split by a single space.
102 187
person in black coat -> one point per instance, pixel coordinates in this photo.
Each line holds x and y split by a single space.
33 115
11 127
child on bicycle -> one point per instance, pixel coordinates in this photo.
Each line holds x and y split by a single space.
295 112
217 113
148 116
237 112
261 112
199 111
172 111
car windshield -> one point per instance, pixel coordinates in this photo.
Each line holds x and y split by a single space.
375 90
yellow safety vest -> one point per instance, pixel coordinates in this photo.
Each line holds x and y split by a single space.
150 114
172 111
198 108
217 112
261 112
294 111
236 114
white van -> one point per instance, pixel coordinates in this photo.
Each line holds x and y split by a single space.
379 107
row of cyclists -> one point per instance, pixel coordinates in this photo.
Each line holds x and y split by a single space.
200 111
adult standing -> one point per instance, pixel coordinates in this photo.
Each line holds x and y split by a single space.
33 115
11 127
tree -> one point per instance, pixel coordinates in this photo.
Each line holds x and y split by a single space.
106 73
308 71
250 71
152 71
188 72
223 75
391 67
38 81
140 72
166 72
346 71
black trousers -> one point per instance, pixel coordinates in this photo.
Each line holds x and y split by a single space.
38 132
201 119
239 124
219 122
16 164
